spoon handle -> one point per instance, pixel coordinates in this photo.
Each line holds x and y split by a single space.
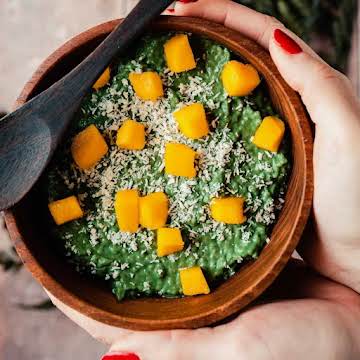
74 86
88 72
30 135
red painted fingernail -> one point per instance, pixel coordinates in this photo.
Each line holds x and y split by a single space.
286 42
115 356
187 1
170 10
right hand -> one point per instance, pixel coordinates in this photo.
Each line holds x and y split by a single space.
320 318
334 247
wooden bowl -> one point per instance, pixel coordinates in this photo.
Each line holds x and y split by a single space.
93 298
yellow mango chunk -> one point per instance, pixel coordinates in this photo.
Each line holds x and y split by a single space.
178 54
154 210
88 147
127 210
147 85
193 281
179 160
269 134
228 210
65 210
239 79
131 135
192 121
169 241
103 79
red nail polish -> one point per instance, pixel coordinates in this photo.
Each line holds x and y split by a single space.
286 42
170 10
187 1
115 356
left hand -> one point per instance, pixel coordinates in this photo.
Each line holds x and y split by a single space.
318 320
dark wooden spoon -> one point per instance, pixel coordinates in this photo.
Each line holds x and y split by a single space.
29 135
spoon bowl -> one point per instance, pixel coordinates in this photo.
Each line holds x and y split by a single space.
32 139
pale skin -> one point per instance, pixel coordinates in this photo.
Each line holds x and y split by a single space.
317 317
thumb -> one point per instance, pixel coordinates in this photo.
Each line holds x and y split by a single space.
326 93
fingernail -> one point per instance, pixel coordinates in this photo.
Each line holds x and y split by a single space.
172 10
286 42
117 356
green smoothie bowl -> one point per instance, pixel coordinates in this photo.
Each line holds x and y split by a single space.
181 187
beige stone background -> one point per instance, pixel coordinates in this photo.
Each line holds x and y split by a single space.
29 31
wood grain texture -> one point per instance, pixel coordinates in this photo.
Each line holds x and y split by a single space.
27 221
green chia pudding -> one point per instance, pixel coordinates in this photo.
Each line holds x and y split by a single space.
228 164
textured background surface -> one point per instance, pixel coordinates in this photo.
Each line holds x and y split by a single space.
29 31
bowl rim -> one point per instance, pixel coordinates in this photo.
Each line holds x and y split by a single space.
220 312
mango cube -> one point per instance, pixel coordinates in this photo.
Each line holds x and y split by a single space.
192 121
228 210
239 79
154 210
88 147
131 136
193 281
65 210
169 241
178 54
147 85
127 210
179 160
269 134
103 79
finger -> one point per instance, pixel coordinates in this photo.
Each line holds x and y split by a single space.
170 10
327 94
232 15
251 23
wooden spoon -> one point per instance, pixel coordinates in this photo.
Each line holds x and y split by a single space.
29 135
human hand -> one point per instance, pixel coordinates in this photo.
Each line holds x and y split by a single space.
321 317
334 247
318 320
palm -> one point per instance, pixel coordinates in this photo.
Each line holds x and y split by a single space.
293 330
336 199
338 152
312 320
